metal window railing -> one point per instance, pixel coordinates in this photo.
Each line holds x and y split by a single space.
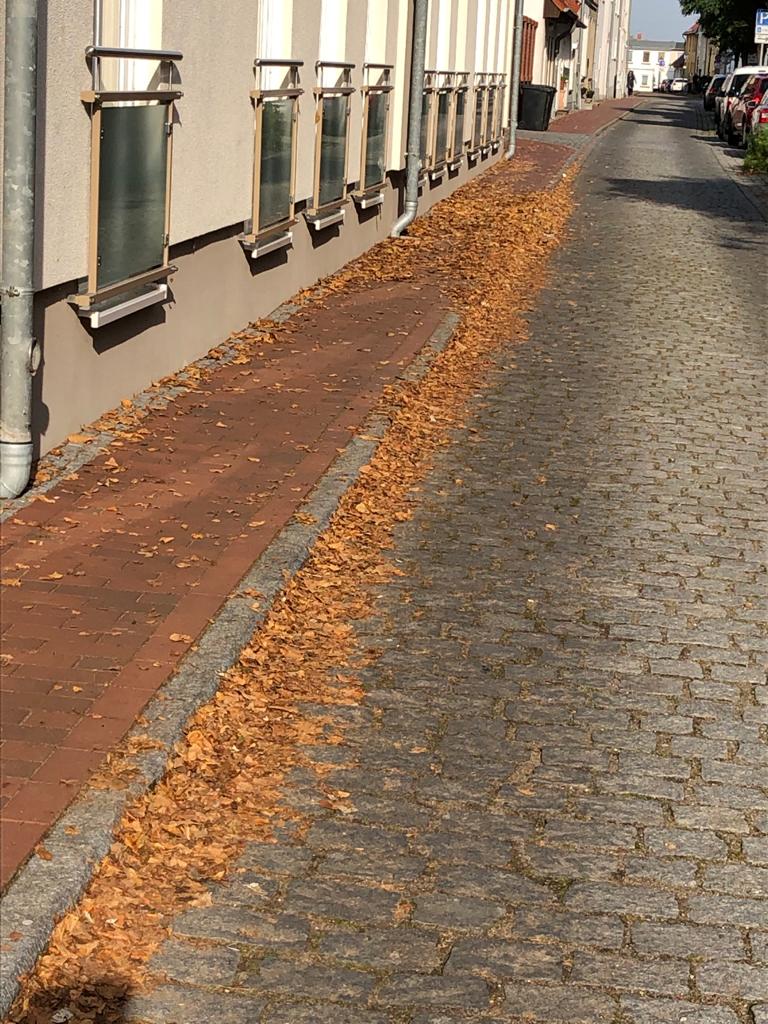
332 139
274 153
131 161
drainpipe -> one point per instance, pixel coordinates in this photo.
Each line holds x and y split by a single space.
413 155
514 87
17 349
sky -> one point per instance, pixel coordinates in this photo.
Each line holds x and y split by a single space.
659 19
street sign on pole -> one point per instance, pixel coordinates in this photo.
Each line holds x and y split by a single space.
761 26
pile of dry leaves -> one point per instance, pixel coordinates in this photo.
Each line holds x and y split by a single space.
487 249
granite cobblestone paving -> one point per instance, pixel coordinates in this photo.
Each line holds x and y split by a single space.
558 780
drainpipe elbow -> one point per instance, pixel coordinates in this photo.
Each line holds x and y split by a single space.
407 218
15 467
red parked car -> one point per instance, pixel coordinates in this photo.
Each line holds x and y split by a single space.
758 121
741 112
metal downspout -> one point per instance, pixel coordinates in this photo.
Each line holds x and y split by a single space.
17 348
413 147
514 89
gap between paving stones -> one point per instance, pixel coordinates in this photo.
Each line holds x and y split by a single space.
181 696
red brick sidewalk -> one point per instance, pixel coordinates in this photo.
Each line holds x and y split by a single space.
589 122
111 576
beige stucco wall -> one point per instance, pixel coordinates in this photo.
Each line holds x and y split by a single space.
213 140
217 288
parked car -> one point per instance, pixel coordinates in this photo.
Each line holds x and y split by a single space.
678 85
732 86
741 111
710 93
664 85
758 119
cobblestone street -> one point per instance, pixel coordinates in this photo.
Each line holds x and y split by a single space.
560 774
558 780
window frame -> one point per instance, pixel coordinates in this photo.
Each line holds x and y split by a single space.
259 95
489 112
497 128
460 85
166 93
428 164
383 86
442 82
343 87
480 87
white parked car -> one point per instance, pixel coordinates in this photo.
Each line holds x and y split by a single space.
678 85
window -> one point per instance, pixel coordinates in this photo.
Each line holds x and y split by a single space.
275 98
131 156
426 141
490 115
499 115
440 128
646 56
331 141
458 117
478 122
373 159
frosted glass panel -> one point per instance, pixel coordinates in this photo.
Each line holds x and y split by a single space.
375 138
333 147
276 161
458 128
478 134
132 183
443 112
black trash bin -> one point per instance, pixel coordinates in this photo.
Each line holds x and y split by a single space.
536 107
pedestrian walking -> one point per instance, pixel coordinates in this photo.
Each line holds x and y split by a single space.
630 82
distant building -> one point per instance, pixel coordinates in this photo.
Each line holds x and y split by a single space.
700 52
653 61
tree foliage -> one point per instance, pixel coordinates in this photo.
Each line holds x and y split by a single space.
729 23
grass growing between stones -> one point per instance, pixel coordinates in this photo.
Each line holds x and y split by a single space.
487 250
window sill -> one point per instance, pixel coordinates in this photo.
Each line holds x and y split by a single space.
259 247
367 200
115 309
437 174
319 220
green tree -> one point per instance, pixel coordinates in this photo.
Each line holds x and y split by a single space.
730 23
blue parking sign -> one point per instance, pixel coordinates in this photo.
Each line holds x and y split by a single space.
761 26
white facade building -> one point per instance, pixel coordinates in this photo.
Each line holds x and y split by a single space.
652 61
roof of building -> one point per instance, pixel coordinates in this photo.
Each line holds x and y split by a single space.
692 30
655 44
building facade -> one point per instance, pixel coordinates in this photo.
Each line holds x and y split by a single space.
700 52
198 166
653 61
